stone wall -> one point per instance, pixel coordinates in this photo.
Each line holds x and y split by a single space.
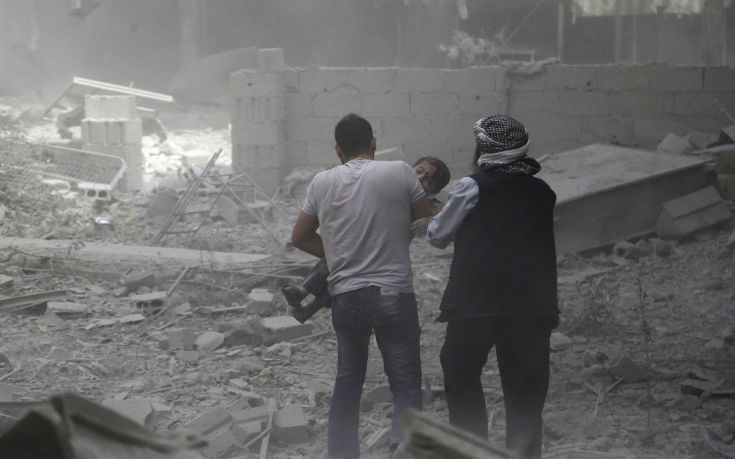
431 111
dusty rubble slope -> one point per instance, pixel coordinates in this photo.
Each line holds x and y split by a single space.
636 329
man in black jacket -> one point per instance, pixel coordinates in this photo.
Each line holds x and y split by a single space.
502 284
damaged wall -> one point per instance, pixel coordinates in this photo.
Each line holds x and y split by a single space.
431 111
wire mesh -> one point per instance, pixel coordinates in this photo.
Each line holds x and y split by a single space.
21 162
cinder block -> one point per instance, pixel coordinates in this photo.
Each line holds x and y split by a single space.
261 296
95 131
474 80
249 83
533 103
582 104
289 424
372 80
311 129
607 129
700 140
101 107
637 103
338 105
132 131
98 191
259 109
149 303
687 214
321 80
258 133
285 328
572 77
617 77
387 104
271 60
719 79
440 104
420 80
299 104
677 78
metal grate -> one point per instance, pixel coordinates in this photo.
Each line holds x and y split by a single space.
21 161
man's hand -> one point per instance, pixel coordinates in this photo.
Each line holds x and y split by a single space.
419 226
305 237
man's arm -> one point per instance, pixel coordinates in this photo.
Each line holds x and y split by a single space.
305 237
421 208
445 225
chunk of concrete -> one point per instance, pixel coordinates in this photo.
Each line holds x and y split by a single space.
6 281
675 145
690 213
210 421
149 303
559 341
138 279
289 424
209 341
700 140
181 339
66 308
284 328
261 297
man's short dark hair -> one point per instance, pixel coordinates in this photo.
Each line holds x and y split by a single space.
353 134
442 170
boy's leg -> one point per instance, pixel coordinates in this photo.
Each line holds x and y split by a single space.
315 283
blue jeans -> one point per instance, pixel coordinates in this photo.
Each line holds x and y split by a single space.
393 317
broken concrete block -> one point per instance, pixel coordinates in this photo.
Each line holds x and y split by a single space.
105 107
289 424
261 296
256 414
228 209
6 281
690 213
210 421
673 144
149 303
726 183
560 341
285 328
245 432
700 140
209 341
135 280
66 308
139 410
181 339
221 444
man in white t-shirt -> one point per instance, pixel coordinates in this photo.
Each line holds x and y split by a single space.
363 210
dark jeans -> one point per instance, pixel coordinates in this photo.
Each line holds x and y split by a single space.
522 348
393 317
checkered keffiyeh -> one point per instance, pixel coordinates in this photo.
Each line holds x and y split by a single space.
503 145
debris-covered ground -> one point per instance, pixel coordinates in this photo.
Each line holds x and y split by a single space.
642 365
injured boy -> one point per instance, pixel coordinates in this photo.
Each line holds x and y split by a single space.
433 174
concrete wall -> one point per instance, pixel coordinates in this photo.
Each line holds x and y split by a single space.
431 111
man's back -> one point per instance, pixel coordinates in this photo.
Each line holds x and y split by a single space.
364 213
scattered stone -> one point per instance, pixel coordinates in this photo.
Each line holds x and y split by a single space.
97 290
627 369
285 328
256 414
183 309
181 339
149 303
187 356
245 432
65 308
690 213
261 301
559 341
135 280
58 354
131 319
51 319
139 410
289 424
221 444
210 421
209 341
675 145
6 281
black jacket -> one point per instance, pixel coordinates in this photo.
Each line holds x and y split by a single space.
504 261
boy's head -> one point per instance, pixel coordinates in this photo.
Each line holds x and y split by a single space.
354 136
433 174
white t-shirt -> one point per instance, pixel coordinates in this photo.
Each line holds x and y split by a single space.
364 213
